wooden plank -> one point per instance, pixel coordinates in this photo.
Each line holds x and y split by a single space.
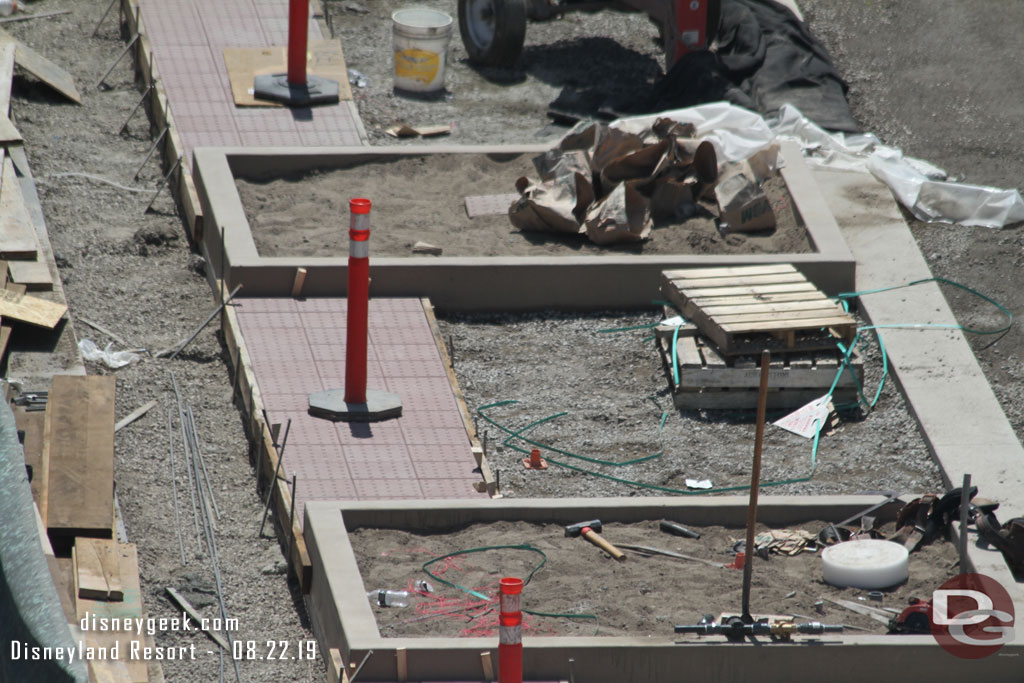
130 607
487 665
717 310
336 672
97 569
80 436
42 68
30 309
35 275
749 291
184 604
740 327
766 299
9 134
134 415
402 664
729 271
17 232
782 319
44 469
32 423
6 76
738 281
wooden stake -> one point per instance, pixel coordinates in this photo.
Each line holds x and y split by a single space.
488 666
755 483
300 279
402 663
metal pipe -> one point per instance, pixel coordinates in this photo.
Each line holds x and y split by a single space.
174 485
188 464
273 480
755 483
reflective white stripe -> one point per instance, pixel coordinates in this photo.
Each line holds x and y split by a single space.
510 635
510 603
359 249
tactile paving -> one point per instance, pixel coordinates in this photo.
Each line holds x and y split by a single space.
338 460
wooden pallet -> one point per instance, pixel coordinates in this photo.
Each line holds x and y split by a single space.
710 381
745 309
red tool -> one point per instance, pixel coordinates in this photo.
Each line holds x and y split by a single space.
589 530
916 618
535 462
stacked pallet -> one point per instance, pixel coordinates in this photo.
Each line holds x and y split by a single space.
736 312
69 447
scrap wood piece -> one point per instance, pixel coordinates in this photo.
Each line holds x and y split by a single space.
18 237
33 310
490 204
6 76
9 134
80 443
191 611
42 68
426 248
97 569
243 64
404 130
134 415
130 607
35 275
877 615
31 423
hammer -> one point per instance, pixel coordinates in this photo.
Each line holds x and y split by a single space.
589 530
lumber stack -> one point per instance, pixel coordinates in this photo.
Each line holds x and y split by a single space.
732 314
69 447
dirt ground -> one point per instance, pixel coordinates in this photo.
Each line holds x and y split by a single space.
641 596
286 214
932 77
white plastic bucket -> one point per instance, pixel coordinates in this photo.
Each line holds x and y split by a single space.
421 47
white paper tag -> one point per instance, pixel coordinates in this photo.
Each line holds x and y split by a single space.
695 484
808 420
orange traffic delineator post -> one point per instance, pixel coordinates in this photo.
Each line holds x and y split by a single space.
535 462
510 632
356 403
297 87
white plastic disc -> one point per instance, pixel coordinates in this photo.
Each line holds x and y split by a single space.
865 563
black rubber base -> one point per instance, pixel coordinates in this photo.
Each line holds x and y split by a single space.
331 405
276 87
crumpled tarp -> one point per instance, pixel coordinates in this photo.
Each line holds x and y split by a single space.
766 57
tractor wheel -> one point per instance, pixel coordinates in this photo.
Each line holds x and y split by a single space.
493 31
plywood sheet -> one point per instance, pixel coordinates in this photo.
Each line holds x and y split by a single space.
42 68
17 233
80 441
324 59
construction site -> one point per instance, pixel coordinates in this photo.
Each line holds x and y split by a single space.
502 340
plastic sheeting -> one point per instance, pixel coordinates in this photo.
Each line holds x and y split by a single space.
921 187
30 607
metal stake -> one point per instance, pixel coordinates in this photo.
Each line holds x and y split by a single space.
755 483
291 517
127 47
182 345
149 154
142 101
160 187
100 22
965 504
273 480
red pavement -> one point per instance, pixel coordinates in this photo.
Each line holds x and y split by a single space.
297 347
188 38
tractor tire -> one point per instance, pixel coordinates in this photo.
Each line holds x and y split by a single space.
493 31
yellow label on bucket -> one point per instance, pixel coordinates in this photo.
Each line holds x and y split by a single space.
416 65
